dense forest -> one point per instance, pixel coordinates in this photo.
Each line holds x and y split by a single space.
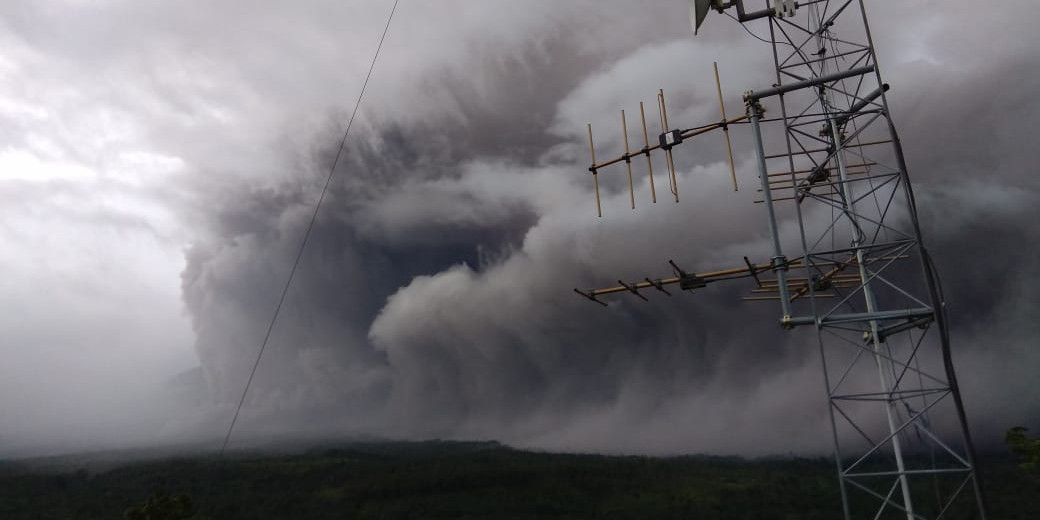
455 480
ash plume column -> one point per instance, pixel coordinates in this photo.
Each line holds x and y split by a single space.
432 306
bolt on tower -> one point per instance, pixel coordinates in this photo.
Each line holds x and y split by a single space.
847 259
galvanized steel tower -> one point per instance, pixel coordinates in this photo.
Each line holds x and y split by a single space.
848 259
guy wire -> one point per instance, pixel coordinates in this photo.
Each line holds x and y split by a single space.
307 234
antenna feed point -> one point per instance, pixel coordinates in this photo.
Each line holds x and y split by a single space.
670 138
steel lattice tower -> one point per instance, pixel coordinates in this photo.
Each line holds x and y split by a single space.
848 259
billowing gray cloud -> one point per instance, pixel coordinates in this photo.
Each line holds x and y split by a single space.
433 299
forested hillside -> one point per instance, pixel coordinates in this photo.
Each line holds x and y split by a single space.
459 480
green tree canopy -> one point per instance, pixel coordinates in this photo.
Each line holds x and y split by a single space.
1025 447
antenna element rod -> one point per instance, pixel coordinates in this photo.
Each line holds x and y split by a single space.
646 148
628 160
595 177
674 185
725 129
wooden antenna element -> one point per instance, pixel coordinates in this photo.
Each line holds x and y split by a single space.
674 185
725 127
595 178
628 160
668 138
646 150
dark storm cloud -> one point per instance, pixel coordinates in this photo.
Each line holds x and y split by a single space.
462 224
502 349
437 283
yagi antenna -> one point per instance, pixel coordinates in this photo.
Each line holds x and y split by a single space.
666 140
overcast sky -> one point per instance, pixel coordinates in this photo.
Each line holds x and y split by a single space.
159 162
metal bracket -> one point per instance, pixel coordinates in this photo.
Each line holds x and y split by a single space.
670 139
687 281
690 282
820 283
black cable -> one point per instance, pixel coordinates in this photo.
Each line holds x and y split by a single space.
307 234
951 374
742 26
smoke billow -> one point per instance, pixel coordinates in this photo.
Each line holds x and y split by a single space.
434 299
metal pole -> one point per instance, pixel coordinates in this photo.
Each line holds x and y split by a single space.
778 261
868 293
808 266
868 297
813 82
